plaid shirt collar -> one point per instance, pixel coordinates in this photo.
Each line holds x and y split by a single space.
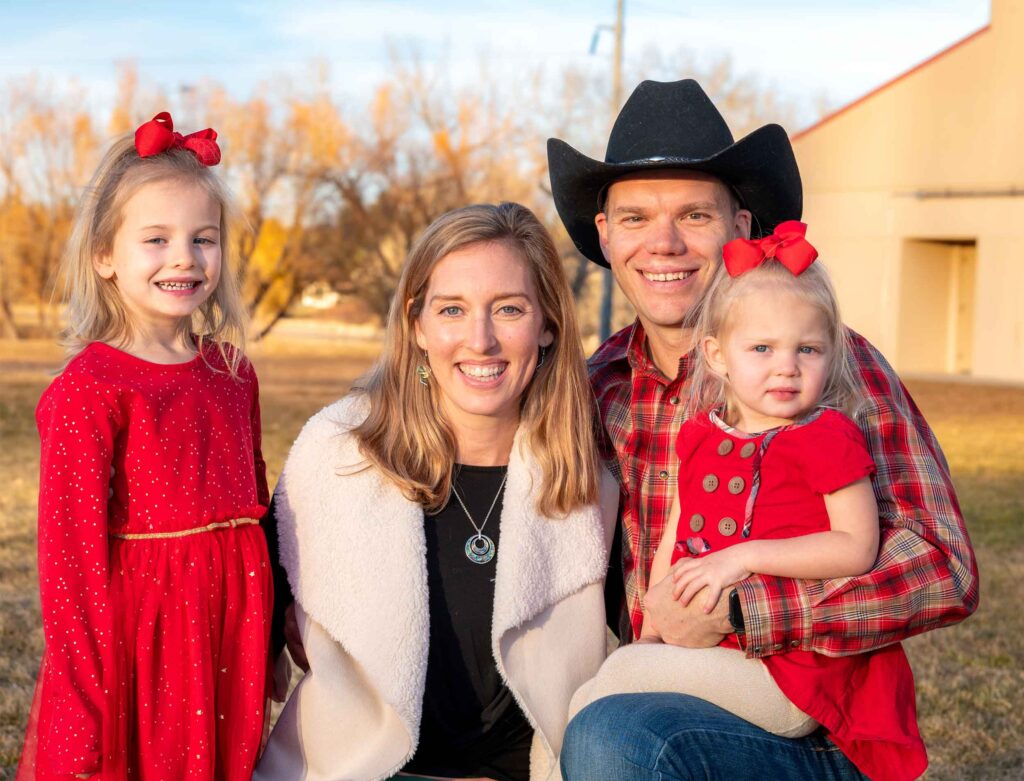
629 347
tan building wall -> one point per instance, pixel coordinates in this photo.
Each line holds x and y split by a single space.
914 195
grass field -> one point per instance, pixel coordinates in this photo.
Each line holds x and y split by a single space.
970 678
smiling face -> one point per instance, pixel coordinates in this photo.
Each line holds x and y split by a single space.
166 255
481 326
775 353
662 233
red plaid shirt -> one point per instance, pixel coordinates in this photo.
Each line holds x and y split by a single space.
925 576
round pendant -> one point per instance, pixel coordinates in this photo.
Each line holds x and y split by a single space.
479 549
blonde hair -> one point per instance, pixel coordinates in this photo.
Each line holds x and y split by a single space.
95 311
709 391
557 409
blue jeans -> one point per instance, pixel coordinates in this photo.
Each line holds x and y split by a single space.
674 737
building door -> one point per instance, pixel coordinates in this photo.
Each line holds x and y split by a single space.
936 314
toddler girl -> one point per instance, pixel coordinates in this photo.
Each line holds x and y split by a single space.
153 574
768 459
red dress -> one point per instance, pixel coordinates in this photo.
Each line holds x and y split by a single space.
156 653
772 484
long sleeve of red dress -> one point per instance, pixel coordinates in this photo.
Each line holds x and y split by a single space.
262 488
78 421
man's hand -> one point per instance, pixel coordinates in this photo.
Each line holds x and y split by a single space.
293 639
687 626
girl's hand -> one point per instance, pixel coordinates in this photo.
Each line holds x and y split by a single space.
715 571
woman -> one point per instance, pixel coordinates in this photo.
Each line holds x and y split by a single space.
445 527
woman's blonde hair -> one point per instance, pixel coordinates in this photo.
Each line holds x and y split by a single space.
406 434
709 391
94 310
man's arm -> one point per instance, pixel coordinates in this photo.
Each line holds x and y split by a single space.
926 575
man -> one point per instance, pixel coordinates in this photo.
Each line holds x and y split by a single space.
673 189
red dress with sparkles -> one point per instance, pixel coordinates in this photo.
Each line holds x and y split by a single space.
866 701
156 653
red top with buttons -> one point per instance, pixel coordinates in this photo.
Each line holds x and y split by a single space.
773 483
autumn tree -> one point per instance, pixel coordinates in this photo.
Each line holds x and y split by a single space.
49 146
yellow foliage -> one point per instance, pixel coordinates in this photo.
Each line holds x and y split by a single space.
442 143
270 244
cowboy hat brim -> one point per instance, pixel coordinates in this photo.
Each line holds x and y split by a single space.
760 168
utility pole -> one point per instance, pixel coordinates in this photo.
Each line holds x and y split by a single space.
607 299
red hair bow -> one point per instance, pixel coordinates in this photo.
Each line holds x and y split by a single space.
158 136
787 245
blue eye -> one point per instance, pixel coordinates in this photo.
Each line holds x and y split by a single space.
808 350
203 240
156 240
510 309
451 310
760 348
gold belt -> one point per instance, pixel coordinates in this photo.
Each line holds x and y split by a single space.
198 530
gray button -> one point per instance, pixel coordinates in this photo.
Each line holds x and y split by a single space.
794 643
710 483
696 522
725 447
663 474
727 527
736 485
674 400
748 450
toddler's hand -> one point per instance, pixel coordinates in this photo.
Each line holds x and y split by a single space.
715 571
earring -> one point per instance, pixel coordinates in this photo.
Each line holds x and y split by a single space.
423 371
543 355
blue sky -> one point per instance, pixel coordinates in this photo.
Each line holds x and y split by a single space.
805 48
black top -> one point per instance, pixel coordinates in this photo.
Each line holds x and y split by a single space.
471 724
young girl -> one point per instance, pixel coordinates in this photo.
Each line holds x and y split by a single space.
153 574
769 460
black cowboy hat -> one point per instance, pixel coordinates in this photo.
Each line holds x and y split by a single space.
675 125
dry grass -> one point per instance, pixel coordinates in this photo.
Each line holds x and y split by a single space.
969 677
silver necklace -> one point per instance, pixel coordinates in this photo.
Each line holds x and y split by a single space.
479 547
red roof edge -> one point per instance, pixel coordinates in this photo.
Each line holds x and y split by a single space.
886 85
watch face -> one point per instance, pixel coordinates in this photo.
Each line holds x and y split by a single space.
735 611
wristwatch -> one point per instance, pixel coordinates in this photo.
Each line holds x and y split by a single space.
736 612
